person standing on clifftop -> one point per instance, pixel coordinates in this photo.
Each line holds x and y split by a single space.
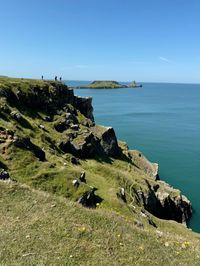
56 78
60 79
42 77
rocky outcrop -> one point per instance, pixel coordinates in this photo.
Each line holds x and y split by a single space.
25 143
84 104
62 121
107 139
165 202
85 146
46 96
144 164
98 141
89 199
4 174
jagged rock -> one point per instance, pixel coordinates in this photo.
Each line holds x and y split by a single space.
107 139
144 164
49 97
72 135
89 199
62 125
4 174
87 123
25 143
165 203
16 115
100 141
87 146
85 106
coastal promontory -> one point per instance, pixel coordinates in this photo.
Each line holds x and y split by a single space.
107 84
70 190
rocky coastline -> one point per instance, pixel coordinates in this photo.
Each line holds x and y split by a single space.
64 123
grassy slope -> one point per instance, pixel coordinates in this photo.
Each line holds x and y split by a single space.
52 239
37 228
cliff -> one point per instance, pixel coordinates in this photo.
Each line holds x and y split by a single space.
50 142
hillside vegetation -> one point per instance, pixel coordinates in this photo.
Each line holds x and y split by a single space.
108 84
48 137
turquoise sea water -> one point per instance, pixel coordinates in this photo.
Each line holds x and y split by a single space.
162 121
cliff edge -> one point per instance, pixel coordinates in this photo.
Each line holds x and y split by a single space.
48 135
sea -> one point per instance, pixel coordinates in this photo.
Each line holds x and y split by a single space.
162 120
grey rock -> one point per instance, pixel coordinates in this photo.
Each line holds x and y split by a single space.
62 125
166 204
4 174
89 199
16 115
74 127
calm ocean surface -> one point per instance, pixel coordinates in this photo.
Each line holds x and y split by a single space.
162 121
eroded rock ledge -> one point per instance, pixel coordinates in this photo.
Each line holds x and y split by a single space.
158 197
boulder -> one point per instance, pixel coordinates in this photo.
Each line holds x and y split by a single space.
84 146
89 199
62 125
4 174
16 115
108 140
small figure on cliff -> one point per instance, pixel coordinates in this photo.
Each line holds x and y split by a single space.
42 77
60 78
56 78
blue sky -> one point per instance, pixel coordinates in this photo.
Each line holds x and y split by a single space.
144 40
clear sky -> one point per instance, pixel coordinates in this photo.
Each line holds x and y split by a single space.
143 40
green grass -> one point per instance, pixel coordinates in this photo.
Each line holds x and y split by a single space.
103 84
37 228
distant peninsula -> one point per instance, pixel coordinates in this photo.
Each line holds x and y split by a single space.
107 84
